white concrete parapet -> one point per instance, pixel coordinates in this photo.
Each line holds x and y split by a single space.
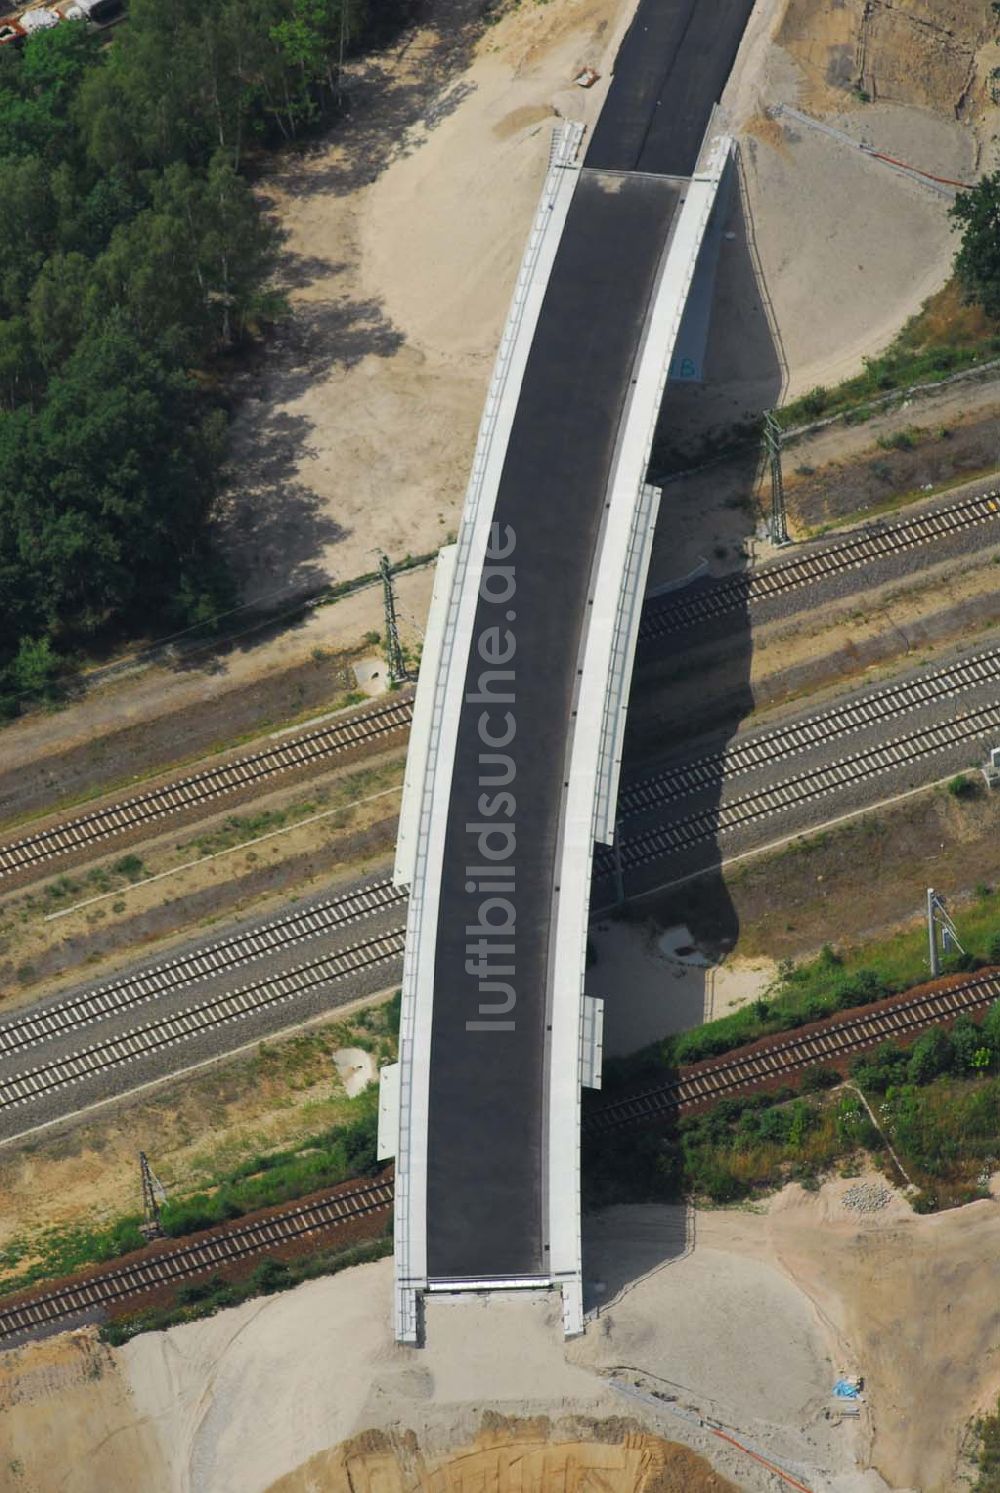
591 1042
617 584
624 641
388 1112
423 716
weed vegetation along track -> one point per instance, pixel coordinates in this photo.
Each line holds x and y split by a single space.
663 841
88 830
196 1020
20 1033
92 1297
679 611
767 748
782 1056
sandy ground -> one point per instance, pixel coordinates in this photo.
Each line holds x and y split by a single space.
906 1301
746 1316
356 1069
405 233
850 249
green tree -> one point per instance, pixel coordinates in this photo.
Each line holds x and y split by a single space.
19 370
27 228
103 493
57 307
966 1041
34 668
977 264
991 1029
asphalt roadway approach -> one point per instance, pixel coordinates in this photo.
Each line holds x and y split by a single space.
485 1176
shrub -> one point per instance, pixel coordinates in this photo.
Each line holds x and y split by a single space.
270 1276
899 440
882 1068
814 1080
962 786
932 1054
815 402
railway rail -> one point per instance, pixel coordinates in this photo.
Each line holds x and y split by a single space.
20 1033
723 1077
682 610
195 1020
88 830
93 1296
662 841
769 747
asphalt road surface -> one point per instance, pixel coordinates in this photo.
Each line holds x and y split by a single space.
485 1180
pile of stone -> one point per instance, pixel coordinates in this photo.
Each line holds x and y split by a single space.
866 1197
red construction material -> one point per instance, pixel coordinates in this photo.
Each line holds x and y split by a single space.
786 1477
944 180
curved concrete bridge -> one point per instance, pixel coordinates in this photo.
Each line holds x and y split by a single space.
516 742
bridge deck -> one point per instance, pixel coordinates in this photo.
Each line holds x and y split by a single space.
485 1169
482 1208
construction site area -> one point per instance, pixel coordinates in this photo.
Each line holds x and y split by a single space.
789 1170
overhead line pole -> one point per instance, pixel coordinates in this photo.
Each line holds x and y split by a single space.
393 647
772 443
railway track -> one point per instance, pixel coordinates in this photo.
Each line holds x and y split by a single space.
726 1076
680 610
682 834
167 1267
20 1033
87 830
768 748
706 1082
195 1020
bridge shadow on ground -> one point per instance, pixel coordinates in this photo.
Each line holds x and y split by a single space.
655 946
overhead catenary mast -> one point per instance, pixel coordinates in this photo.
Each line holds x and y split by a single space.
153 1194
393 647
772 443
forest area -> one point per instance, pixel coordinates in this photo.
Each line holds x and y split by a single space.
134 262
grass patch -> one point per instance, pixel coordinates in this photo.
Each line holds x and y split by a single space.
239 829
988 1453
945 337
65 889
334 1155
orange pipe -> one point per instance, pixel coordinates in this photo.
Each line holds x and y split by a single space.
785 1476
944 180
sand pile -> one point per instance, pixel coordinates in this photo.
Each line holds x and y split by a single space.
512 1457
